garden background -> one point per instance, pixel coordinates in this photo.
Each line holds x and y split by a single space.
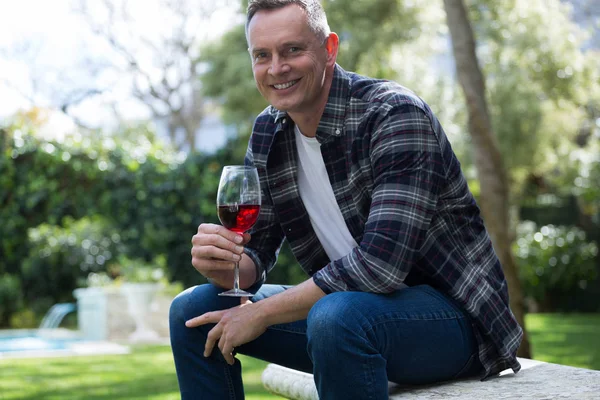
108 195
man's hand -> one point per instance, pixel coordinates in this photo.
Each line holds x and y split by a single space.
215 250
246 322
235 327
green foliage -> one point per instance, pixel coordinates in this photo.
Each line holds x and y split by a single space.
24 319
541 81
37 186
369 30
229 79
534 38
61 205
586 184
570 195
61 257
113 207
554 261
138 270
11 299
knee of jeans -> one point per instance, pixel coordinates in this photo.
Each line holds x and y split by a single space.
177 310
330 317
192 302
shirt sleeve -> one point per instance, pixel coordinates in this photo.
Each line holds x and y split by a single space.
408 172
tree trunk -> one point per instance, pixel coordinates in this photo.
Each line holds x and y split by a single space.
494 196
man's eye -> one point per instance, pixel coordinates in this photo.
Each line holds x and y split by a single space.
294 49
259 56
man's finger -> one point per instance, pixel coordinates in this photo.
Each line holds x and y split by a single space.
220 252
213 336
212 265
244 300
246 237
227 351
220 230
208 318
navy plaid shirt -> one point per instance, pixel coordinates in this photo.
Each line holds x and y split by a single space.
405 201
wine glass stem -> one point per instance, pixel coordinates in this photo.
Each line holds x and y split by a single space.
236 277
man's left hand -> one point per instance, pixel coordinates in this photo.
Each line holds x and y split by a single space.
235 327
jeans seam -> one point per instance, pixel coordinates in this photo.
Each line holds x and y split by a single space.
287 330
371 379
230 387
444 318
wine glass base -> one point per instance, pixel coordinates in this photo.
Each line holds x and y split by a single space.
236 293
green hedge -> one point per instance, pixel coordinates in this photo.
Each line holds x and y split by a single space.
556 265
63 204
151 198
61 258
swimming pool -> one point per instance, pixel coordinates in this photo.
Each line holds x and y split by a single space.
32 340
52 343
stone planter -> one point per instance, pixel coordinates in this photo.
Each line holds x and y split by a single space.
139 298
103 313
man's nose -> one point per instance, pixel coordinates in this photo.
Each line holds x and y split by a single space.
278 66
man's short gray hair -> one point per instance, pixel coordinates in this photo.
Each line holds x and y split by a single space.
315 14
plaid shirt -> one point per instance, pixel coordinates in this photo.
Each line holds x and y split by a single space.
405 201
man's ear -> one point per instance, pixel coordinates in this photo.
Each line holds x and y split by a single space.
331 45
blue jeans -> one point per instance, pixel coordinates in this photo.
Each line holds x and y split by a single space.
352 342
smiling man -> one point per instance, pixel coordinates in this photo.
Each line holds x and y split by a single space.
360 179
293 66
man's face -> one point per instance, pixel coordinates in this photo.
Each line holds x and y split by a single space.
288 61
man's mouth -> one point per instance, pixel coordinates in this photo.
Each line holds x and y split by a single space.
281 86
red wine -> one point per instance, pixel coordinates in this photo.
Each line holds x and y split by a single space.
238 218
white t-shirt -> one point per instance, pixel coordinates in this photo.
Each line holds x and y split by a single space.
318 198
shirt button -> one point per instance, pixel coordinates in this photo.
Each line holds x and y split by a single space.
338 132
284 121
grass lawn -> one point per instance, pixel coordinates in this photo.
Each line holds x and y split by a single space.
148 372
568 339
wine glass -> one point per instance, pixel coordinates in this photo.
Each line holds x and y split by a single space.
238 206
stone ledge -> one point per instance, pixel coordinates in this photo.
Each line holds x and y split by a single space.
536 380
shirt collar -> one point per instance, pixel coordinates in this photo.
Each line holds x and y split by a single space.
332 120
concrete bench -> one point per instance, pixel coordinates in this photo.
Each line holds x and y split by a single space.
536 380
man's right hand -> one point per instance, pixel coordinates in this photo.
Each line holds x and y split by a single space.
215 249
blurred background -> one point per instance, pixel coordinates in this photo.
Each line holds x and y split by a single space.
116 118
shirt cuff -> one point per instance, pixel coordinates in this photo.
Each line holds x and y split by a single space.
329 282
261 274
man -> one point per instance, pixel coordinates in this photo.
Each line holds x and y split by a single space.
359 177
